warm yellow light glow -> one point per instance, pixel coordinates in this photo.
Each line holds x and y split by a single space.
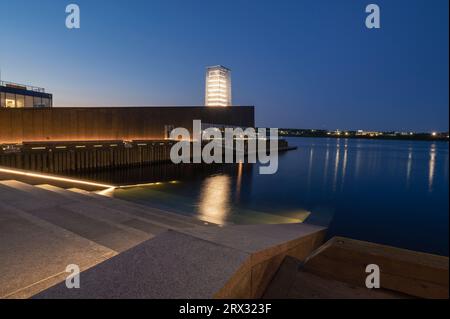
54 178
215 199
107 192
218 87
239 180
10 103
217 96
140 185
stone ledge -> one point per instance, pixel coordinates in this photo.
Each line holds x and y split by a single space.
229 262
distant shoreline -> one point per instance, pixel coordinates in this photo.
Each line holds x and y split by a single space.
393 138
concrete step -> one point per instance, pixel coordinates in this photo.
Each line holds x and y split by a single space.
172 220
86 206
10 189
250 217
94 207
80 218
144 195
162 209
35 253
136 198
146 214
157 198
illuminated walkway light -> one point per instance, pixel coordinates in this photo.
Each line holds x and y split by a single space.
54 178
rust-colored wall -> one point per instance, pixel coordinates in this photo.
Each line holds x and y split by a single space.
110 123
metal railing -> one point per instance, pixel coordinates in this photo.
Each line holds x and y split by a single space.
22 86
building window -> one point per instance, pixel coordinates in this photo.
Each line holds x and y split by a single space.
45 102
28 101
37 102
10 100
20 100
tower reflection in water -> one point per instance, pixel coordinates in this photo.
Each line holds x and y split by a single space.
214 202
216 196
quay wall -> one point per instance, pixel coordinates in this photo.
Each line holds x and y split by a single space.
90 155
65 157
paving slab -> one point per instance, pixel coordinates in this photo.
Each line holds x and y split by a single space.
34 253
115 217
253 238
172 265
94 207
92 222
107 234
26 200
237 261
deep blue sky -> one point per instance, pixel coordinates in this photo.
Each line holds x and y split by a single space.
303 63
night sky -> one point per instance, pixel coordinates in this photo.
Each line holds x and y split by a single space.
302 63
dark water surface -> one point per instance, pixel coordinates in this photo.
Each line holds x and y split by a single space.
391 192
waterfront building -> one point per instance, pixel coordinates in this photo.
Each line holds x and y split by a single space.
218 86
13 95
18 125
368 133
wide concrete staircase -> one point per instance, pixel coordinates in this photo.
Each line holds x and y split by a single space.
125 250
44 228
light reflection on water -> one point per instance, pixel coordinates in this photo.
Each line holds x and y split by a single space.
409 166
239 180
344 165
214 200
432 167
393 192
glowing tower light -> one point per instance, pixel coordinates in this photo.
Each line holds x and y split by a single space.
218 86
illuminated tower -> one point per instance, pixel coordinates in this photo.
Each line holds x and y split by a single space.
218 86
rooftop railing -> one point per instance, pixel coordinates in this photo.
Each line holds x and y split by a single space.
22 86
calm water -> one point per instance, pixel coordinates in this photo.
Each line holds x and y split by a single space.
391 192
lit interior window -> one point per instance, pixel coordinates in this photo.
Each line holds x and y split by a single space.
10 103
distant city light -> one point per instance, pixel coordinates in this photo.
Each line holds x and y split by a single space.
434 134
